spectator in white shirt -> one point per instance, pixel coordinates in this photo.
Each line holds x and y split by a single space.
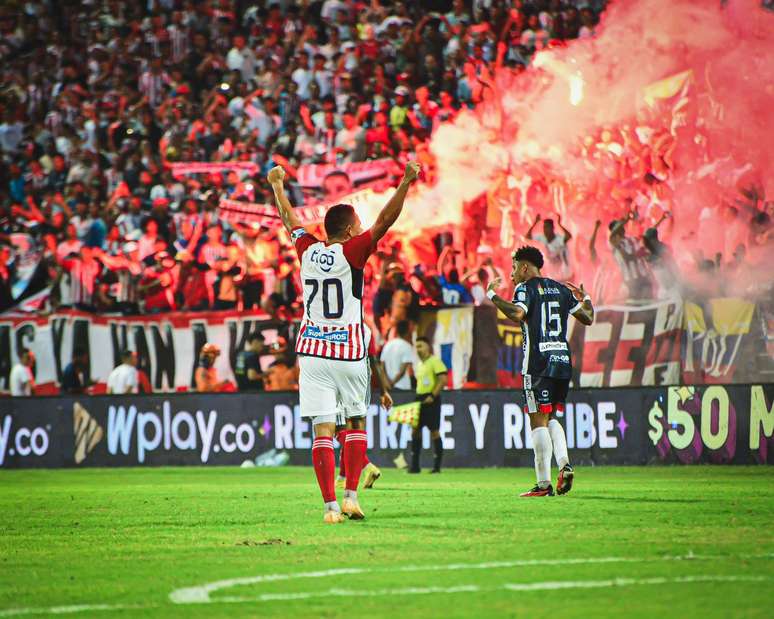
123 379
558 255
302 76
351 140
398 356
22 381
70 246
241 58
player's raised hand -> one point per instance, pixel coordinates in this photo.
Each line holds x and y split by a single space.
494 285
386 401
412 171
276 175
578 292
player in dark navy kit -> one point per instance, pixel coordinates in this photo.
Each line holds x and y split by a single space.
543 306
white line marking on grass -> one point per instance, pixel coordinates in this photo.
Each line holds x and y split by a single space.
61 610
523 587
628 582
201 594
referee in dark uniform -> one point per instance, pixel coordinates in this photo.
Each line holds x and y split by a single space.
431 374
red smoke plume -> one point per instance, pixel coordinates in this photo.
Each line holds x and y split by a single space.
670 107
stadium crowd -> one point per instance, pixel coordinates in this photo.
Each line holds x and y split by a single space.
101 98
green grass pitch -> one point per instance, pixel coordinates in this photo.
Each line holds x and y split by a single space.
635 542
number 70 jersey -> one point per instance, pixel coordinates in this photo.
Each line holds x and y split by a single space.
548 304
332 280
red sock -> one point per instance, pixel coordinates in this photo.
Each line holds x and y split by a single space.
366 461
342 437
324 463
355 446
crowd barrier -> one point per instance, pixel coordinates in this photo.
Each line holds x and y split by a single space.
664 343
722 424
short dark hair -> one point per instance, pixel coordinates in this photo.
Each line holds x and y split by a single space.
422 338
403 328
548 220
529 254
338 217
255 335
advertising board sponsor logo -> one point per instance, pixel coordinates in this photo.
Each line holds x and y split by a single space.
692 422
22 441
87 432
134 432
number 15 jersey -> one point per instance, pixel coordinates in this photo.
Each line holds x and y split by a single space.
332 278
548 305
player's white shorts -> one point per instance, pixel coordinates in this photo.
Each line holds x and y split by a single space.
328 387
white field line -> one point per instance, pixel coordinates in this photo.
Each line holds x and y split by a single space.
62 610
534 586
201 594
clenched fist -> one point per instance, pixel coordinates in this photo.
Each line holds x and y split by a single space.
412 171
276 175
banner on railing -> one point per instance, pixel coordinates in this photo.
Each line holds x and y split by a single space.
167 344
663 343
366 203
682 425
181 168
353 175
451 331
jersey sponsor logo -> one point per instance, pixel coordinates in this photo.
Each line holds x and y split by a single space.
315 333
542 290
559 359
549 346
323 259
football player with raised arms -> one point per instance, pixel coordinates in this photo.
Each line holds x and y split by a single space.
542 306
331 343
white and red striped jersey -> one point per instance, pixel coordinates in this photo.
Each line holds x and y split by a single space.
83 279
332 277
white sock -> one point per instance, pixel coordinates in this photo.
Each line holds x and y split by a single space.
541 444
333 506
350 494
560 442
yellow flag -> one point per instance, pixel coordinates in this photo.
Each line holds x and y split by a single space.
406 413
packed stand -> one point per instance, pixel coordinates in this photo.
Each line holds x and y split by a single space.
99 97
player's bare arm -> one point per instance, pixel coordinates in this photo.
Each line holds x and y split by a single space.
567 233
384 383
511 310
393 208
585 314
532 227
276 178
